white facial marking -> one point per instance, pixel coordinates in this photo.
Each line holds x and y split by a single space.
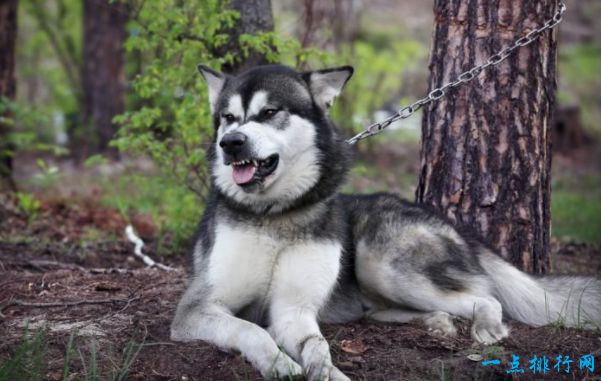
234 106
257 103
298 169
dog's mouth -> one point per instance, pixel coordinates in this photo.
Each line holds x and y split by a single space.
252 171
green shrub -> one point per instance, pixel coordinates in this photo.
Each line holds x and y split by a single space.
29 205
169 118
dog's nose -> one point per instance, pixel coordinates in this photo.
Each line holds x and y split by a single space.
232 143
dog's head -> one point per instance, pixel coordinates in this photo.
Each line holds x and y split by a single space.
274 145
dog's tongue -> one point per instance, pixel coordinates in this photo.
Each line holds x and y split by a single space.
244 173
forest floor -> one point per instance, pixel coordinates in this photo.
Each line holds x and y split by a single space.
52 279
70 274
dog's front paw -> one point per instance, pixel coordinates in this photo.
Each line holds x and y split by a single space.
488 332
316 359
282 367
440 323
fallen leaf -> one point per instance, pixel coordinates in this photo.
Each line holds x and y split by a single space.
475 357
355 347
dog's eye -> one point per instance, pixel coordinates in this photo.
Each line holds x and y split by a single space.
269 112
230 118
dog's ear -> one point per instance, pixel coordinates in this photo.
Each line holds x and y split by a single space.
215 81
327 84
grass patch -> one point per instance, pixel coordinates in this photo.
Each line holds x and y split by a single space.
579 81
576 208
29 361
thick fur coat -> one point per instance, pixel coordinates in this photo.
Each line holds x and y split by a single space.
279 249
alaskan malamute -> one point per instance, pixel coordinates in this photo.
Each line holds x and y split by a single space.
279 249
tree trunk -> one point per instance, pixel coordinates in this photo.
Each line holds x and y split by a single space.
485 156
255 16
103 74
328 24
8 87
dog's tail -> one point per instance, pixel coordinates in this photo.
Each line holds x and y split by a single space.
572 301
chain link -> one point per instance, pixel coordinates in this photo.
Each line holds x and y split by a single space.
463 78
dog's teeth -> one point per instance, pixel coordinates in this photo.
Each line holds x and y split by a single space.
255 163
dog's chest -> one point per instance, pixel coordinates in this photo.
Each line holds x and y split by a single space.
241 265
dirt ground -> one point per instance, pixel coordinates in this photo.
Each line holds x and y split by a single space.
50 277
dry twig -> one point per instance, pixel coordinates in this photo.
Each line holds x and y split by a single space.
18 302
133 238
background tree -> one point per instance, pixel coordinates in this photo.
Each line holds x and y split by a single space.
255 16
328 24
8 35
52 33
87 38
103 69
485 155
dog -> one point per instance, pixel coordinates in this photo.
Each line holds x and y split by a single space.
279 249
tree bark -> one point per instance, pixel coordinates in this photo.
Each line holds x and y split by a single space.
328 24
255 16
8 85
103 71
486 154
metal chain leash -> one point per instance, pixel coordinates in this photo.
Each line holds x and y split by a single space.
464 77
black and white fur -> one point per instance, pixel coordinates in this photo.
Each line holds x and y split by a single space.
280 250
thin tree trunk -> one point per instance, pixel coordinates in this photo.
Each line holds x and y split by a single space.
255 16
103 74
8 85
486 157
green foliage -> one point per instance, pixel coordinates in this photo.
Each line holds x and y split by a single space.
173 208
25 134
68 354
377 80
170 120
580 81
284 50
48 176
91 366
29 205
576 208
130 353
169 117
28 361
48 56
95 160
